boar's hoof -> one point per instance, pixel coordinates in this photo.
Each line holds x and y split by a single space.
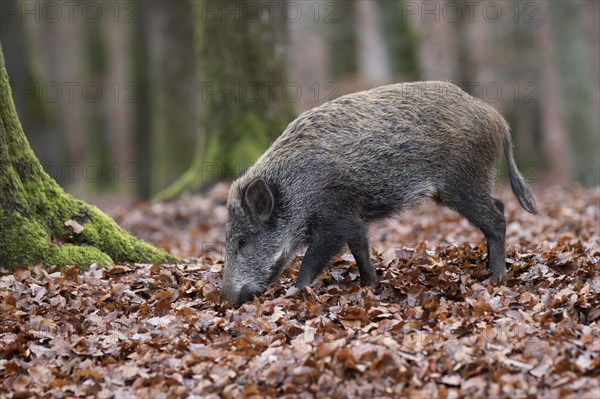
369 279
301 284
502 277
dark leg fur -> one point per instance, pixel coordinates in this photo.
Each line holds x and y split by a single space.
322 248
329 235
499 204
486 214
359 246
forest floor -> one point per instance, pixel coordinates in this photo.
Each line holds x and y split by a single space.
433 327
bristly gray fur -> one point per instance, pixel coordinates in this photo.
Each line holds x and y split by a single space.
363 157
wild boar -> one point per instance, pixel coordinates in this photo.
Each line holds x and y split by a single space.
359 158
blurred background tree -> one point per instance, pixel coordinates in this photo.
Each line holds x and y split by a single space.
38 117
167 66
243 99
193 91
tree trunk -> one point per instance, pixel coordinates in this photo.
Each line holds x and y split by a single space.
401 39
34 209
244 94
98 150
577 112
465 67
373 58
26 80
142 108
173 92
342 39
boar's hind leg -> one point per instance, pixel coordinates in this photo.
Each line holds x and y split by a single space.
323 246
499 204
486 213
359 246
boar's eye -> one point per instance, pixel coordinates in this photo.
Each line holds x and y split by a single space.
241 243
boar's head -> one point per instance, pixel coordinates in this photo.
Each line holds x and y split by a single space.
256 237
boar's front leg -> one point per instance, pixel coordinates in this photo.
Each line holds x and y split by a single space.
317 255
359 246
324 245
328 241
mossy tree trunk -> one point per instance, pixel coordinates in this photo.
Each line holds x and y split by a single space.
245 98
34 209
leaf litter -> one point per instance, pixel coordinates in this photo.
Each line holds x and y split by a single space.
432 327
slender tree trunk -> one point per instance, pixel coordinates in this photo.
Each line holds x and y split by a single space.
246 100
580 118
34 209
98 150
401 39
308 55
141 119
373 60
173 88
556 144
343 41
465 67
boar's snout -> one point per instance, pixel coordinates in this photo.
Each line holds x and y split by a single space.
237 298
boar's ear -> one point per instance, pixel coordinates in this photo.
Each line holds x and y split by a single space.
259 199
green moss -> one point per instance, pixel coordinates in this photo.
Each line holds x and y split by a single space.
34 209
82 255
26 242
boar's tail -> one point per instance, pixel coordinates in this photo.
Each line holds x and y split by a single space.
517 182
